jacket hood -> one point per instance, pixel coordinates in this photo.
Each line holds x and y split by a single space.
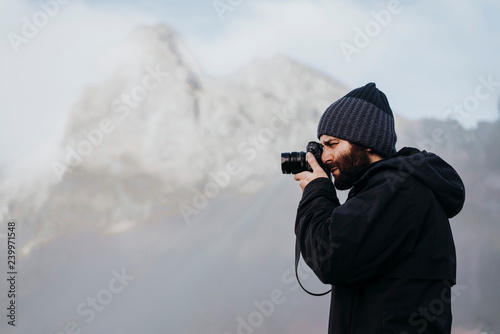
429 169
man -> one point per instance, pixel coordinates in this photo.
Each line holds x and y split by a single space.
388 250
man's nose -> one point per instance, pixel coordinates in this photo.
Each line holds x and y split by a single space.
325 156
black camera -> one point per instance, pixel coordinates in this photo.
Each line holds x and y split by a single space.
296 162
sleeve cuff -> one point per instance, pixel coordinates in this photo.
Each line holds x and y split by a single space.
321 186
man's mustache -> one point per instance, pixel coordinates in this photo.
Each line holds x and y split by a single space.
332 165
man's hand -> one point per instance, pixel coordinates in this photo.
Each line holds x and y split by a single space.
305 177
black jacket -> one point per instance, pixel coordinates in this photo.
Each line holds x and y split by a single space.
388 250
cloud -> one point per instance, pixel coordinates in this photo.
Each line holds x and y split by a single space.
41 82
429 57
304 29
426 59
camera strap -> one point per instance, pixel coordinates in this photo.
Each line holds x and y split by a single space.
297 258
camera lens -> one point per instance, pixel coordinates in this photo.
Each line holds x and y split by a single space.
293 162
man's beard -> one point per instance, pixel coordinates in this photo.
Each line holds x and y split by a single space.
348 164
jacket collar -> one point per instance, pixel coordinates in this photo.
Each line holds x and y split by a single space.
363 173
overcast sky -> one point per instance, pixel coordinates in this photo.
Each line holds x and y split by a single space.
427 56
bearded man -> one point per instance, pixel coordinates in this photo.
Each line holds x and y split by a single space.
388 251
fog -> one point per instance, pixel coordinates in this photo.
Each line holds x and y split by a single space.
158 205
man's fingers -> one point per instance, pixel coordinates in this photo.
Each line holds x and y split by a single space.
299 176
312 162
317 170
305 177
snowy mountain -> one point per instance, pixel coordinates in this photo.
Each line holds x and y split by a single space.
144 140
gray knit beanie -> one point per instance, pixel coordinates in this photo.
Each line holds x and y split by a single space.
362 117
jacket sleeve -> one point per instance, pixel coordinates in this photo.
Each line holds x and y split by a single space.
364 237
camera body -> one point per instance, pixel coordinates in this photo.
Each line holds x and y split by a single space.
296 162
